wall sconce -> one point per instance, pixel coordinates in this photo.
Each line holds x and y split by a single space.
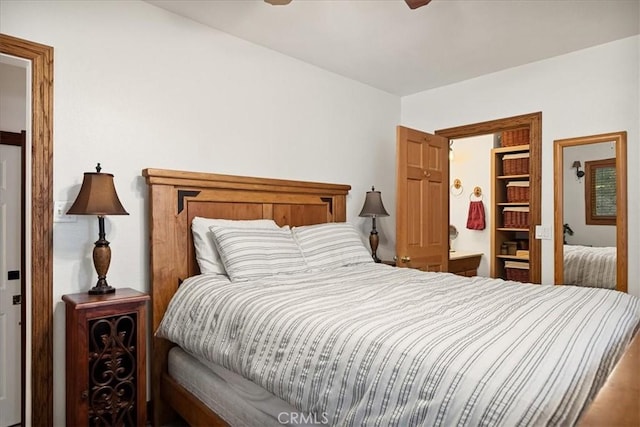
578 165
98 197
373 208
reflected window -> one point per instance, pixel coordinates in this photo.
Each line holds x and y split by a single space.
600 192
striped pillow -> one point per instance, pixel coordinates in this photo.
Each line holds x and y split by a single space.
206 253
254 253
331 245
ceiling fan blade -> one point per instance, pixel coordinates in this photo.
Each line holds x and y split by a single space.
414 4
278 2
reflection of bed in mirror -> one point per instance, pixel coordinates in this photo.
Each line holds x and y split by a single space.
590 266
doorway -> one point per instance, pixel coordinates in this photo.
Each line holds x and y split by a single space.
533 122
11 260
470 181
38 231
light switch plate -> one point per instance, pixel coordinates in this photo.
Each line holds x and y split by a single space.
60 209
543 233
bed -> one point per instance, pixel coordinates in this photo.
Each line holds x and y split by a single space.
464 364
590 266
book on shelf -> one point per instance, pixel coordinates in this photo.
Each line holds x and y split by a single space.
516 209
516 264
518 184
522 253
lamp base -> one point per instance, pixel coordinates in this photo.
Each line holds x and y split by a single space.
373 242
101 261
101 290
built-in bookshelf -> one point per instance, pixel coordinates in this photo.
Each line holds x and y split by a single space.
510 206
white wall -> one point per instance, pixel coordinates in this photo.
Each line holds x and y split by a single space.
574 199
587 92
471 164
136 87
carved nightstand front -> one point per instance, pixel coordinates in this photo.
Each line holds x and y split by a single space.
106 358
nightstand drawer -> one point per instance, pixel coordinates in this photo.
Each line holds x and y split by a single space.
464 264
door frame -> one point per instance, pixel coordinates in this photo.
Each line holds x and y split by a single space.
534 122
41 283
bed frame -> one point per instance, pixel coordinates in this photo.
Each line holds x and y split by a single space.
176 197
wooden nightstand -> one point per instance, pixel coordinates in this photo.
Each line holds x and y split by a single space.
464 263
106 358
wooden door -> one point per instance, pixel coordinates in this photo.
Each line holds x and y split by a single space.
422 203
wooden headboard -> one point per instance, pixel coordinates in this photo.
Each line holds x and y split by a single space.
175 197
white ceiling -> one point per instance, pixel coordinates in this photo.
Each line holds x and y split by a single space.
386 45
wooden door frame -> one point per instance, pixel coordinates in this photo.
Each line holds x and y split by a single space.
41 58
534 122
620 139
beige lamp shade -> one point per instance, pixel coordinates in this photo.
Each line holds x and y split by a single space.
97 196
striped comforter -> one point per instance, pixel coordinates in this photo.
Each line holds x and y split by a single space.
590 266
377 345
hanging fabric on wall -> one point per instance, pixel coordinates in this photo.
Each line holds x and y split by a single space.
475 219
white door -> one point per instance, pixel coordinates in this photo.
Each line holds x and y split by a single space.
10 238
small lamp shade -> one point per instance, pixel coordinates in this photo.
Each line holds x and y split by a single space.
98 197
373 208
576 164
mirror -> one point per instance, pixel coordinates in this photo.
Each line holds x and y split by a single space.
590 228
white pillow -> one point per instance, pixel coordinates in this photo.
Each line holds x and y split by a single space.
331 245
206 253
254 253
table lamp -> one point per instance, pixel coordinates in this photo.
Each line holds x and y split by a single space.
98 197
373 208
